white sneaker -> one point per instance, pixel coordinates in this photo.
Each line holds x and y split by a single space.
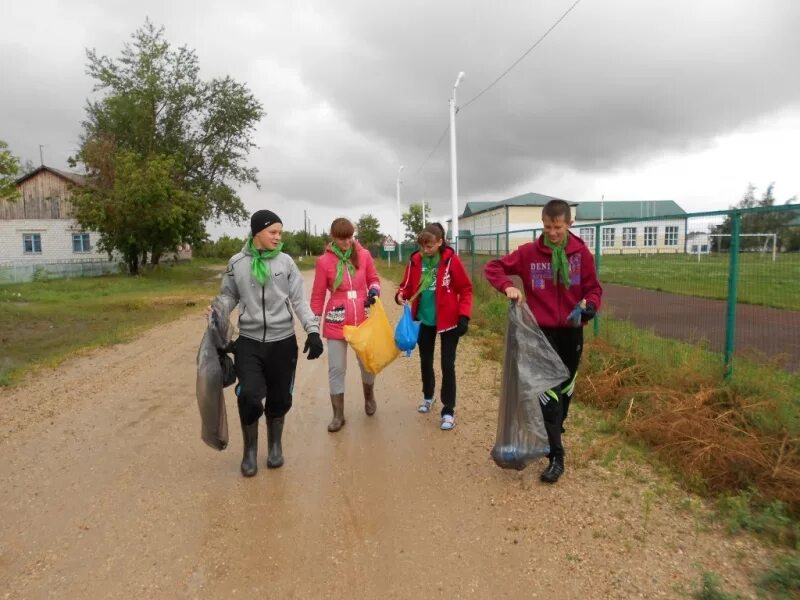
448 422
426 405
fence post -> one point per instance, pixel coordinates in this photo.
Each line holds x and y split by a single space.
596 324
733 280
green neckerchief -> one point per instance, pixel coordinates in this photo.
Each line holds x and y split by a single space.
559 262
344 259
258 264
429 264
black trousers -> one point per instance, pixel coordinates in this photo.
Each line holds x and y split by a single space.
266 374
427 343
568 344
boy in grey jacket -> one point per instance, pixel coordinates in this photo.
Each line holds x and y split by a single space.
267 286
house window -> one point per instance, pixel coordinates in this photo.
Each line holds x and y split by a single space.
628 237
608 237
80 242
587 235
650 236
671 235
32 243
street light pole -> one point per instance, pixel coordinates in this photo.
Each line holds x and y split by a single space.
453 163
399 220
423 204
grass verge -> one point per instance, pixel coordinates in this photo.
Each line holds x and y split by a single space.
738 443
42 322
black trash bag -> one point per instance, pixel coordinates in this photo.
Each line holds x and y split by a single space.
215 370
226 363
531 367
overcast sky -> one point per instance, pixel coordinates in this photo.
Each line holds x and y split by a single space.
634 100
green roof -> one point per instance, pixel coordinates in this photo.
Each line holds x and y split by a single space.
475 207
627 209
529 199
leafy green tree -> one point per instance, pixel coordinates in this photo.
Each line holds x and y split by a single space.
157 110
9 171
145 210
368 229
413 221
224 247
758 222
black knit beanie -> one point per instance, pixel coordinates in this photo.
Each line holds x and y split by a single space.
262 219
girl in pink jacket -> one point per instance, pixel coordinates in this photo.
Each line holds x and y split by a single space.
346 271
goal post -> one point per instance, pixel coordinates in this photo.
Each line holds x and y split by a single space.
770 241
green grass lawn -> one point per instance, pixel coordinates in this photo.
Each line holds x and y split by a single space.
41 322
761 281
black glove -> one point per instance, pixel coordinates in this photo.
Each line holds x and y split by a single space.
373 293
588 313
313 346
463 325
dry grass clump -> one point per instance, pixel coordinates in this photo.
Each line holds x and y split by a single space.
706 429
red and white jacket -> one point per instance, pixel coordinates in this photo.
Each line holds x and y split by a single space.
549 301
453 288
345 305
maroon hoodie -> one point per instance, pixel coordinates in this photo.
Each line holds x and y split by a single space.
549 301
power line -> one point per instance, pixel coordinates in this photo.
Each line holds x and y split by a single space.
491 85
430 154
524 54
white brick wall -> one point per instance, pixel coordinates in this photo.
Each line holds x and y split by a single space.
56 236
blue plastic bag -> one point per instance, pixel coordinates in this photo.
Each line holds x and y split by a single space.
407 332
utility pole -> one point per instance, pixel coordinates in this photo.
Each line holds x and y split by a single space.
41 155
305 230
454 162
399 220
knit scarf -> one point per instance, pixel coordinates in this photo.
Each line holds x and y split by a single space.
259 266
429 265
559 262
344 261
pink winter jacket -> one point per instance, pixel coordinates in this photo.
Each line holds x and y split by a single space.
346 303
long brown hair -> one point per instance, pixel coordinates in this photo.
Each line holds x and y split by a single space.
433 232
342 228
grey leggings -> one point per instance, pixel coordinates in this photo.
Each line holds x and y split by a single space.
337 367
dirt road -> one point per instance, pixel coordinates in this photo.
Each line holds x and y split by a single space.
108 492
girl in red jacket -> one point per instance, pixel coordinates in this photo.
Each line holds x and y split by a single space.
440 293
346 271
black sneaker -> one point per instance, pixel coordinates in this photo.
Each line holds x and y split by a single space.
553 471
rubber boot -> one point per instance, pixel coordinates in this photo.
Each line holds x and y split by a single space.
554 470
250 456
369 399
337 402
274 433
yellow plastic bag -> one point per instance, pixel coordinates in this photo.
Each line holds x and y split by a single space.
373 340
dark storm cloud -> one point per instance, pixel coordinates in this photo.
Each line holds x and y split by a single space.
616 82
353 89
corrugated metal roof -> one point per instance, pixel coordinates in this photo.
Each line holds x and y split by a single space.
627 209
475 207
529 199
71 177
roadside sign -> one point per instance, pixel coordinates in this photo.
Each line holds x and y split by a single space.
389 244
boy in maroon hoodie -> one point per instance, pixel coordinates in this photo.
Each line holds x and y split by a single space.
563 293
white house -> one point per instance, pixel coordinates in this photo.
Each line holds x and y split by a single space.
500 227
37 227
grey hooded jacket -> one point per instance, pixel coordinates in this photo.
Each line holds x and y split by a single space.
265 312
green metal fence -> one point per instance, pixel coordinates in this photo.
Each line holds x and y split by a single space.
727 279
